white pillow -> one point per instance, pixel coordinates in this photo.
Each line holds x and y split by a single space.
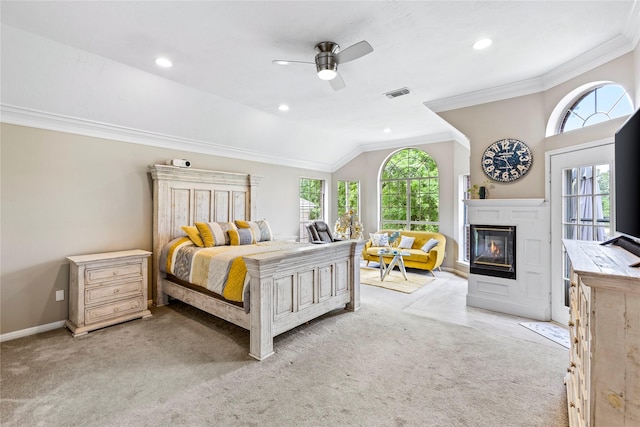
431 243
379 240
406 242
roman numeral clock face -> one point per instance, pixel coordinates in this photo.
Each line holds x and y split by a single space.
507 160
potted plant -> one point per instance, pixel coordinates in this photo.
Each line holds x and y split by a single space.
479 191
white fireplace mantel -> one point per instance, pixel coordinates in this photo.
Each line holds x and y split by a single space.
529 294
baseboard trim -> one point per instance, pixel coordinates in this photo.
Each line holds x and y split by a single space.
31 331
455 271
529 312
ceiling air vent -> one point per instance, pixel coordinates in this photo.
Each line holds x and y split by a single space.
398 92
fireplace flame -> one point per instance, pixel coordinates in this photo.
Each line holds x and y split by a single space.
494 248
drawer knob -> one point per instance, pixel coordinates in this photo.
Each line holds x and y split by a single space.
115 272
116 309
115 291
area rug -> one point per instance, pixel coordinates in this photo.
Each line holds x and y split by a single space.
394 280
548 330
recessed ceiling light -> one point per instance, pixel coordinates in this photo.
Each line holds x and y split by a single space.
387 130
283 107
482 44
163 62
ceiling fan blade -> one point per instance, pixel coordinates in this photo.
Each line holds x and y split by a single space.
337 82
354 52
288 61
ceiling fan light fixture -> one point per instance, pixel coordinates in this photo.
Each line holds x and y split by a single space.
326 65
327 74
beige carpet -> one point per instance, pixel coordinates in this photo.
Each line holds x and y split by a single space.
394 280
377 367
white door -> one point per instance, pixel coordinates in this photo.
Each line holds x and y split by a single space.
581 208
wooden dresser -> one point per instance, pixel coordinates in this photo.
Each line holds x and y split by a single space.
603 379
107 288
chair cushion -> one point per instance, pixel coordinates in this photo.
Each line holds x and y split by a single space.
321 226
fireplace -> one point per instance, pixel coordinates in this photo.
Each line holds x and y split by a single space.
493 250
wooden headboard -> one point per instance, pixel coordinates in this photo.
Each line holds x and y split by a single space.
184 196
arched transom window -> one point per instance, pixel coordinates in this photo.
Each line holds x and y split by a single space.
597 105
410 191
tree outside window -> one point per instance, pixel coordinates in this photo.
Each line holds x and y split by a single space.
311 204
348 197
410 192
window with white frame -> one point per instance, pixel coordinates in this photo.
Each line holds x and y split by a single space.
311 204
599 104
410 192
466 229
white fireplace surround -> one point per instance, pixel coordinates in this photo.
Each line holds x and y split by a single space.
529 294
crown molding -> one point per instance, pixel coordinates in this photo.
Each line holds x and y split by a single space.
607 51
497 93
453 135
632 26
56 122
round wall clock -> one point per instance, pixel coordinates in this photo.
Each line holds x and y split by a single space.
507 160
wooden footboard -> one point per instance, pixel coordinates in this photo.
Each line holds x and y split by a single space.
287 289
291 288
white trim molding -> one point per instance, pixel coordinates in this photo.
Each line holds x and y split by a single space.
607 51
31 331
56 122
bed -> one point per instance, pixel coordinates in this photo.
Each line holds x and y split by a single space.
286 287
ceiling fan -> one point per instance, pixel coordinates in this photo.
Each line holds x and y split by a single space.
329 56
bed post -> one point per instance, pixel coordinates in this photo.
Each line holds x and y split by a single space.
354 259
261 312
161 213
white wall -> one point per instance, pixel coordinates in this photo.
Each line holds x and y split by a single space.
452 159
66 194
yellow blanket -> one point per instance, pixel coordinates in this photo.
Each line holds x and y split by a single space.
220 269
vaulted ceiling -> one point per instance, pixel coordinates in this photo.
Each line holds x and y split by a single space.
224 50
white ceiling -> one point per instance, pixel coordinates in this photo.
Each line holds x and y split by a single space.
226 49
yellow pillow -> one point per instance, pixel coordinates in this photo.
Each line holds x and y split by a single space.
253 226
212 234
241 236
193 234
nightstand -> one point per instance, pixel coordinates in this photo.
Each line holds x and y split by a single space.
106 289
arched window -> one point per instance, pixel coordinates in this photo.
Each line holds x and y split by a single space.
599 104
410 191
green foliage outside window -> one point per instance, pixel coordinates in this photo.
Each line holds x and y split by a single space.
410 192
311 199
348 196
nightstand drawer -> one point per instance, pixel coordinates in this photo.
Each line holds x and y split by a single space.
102 294
111 272
116 309
107 288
